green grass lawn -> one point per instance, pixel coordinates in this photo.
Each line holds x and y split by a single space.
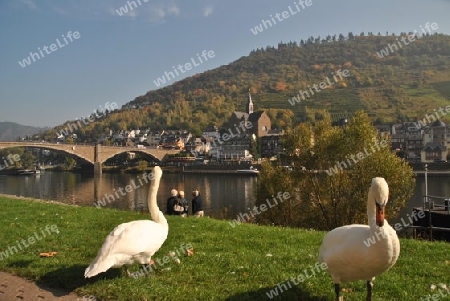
230 263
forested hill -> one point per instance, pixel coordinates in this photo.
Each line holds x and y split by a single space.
404 82
11 131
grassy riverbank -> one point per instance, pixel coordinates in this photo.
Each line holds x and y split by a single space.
244 262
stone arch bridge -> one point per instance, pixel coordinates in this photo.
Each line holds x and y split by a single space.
92 154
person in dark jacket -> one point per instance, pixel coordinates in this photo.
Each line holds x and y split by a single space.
184 203
171 202
197 203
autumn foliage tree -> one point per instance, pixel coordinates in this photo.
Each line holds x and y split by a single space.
330 171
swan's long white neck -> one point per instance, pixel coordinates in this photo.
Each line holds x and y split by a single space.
371 212
155 213
376 202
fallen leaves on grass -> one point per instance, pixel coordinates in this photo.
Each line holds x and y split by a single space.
48 254
190 252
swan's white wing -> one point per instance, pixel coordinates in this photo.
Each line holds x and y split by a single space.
127 243
390 247
138 237
344 252
354 252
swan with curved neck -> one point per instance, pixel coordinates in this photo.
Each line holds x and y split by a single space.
362 252
135 241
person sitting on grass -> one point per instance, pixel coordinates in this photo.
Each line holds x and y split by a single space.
197 204
171 202
184 203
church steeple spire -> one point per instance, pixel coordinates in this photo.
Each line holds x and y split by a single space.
250 103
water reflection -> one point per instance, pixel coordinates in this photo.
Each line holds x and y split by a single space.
437 186
129 191
235 193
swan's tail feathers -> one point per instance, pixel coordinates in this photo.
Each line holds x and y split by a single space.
98 267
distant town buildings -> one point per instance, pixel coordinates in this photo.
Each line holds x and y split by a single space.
245 131
245 127
422 143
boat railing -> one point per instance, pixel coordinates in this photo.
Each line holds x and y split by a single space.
432 202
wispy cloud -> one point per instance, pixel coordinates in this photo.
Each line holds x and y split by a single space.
59 10
173 10
158 13
149 12
207 11
155 11
52 7
29 4
132 14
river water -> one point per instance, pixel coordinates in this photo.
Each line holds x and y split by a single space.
224 196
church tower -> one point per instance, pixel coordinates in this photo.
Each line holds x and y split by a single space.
250 103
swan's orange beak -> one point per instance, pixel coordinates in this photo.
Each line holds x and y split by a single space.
380 215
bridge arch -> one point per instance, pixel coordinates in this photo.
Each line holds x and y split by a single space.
111 155
91 154
56 149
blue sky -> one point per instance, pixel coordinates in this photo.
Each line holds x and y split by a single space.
117 58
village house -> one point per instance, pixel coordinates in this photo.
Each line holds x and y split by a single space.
271 143
436 140
407 137
241 126
259 120
174 139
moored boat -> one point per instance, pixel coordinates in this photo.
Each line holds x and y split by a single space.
251 170
26 172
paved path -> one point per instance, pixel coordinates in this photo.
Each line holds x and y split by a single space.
14 288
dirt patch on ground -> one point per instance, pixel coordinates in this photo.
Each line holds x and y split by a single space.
14 288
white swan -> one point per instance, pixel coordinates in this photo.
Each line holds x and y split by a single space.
135 241
361 252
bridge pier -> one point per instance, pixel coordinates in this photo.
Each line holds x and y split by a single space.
97 168
97 163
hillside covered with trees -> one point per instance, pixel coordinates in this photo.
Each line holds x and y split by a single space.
404 83
10 131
